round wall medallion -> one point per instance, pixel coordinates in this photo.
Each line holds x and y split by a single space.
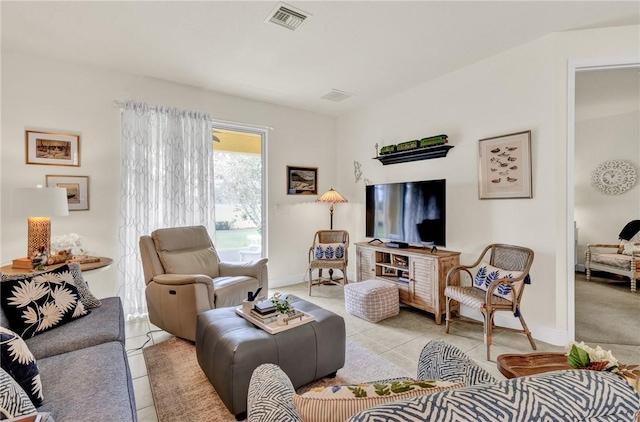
613 177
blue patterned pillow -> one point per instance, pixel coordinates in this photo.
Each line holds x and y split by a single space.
487 274
329 251
35 303
18 361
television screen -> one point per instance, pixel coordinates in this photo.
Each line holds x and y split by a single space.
411 212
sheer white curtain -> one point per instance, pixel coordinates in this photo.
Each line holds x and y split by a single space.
166 181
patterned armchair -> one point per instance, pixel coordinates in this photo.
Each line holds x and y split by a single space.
498 285
328 252
622 259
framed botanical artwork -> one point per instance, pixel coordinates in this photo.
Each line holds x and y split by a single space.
302 180
504 166
56 149
77 190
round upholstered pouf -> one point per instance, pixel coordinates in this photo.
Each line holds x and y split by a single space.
373 300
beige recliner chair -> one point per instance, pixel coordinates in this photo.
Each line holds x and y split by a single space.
185 277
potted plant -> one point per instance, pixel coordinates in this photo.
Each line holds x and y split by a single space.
282 305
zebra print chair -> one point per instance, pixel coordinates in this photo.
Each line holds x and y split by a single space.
498 285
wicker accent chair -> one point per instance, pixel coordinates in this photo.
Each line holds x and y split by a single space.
621 259
329 252
497 286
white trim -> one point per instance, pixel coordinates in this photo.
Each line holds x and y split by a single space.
574 66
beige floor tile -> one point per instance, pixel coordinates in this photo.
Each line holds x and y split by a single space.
134 345
409 366
142 392
368 342
160 336
137 366
138 327
147 414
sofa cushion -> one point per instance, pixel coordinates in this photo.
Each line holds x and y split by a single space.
338 403
13 400
86 297
102 325
35 303
488 273
18 361
92 384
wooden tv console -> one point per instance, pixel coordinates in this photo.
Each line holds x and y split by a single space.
419 274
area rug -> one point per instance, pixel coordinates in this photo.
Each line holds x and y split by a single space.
182 392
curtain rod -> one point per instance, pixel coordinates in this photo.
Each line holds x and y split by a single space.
120 105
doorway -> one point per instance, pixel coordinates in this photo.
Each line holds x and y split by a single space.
603 124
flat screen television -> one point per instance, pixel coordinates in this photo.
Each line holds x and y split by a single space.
408 212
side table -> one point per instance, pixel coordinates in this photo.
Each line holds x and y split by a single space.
520 365
103 264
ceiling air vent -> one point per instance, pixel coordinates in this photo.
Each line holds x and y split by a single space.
336 95
287 16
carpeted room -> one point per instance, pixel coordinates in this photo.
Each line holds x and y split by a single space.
520 84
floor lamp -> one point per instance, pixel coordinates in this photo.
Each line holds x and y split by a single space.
332 197
38 205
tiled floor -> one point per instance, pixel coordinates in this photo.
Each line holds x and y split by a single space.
399 340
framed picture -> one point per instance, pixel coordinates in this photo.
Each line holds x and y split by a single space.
302 180
77 190
56 149
389 271
504 166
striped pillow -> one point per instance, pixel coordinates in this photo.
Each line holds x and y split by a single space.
338 403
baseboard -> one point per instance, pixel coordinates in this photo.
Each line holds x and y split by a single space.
551 336
580 268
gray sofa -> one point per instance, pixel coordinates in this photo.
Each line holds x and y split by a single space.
83 367
563 396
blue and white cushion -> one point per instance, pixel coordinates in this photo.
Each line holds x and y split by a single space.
487 274
18 361
328 251
35 303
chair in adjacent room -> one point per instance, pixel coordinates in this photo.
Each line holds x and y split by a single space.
498 285
329 251
185 277
621 259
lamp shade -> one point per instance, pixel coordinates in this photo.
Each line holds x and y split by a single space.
331 196
40 202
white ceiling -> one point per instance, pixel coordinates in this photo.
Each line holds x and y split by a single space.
610 92
372 49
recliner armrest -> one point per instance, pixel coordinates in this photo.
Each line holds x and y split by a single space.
234 269
179 279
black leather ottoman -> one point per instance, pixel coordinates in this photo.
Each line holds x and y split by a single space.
229 348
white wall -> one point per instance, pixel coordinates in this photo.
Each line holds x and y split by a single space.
522 89
40 93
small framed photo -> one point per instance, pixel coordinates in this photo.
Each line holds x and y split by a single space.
56 149
504 166
77 190
389 271
302 180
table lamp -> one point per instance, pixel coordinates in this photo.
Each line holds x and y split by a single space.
331 196
38 205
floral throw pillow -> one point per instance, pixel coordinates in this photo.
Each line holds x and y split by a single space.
329 251
35 303
340 402
18 361
487 274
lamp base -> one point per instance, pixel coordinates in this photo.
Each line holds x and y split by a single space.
22 263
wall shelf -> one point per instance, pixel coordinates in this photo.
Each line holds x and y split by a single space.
414 155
